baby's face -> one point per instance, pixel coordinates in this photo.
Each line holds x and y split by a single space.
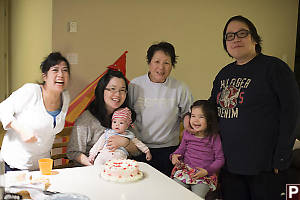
119 125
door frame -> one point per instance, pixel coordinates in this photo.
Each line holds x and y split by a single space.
4 78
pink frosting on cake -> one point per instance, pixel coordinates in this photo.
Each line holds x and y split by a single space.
121 170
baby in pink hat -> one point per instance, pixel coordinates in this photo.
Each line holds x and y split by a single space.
121 120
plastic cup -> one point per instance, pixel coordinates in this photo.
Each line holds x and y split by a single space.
45 165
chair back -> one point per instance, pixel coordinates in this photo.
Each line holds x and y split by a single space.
59 149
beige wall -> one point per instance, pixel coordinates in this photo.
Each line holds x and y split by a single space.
30 39
107 28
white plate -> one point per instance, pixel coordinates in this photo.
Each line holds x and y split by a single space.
68 196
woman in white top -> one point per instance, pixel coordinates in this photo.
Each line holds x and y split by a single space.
34 114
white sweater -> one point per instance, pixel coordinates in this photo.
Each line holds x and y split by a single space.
27 107
160 108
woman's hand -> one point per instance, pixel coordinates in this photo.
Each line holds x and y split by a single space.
175 159
27 135
202 172
187 125
116 141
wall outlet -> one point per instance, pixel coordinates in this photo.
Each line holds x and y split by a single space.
72 58
72 27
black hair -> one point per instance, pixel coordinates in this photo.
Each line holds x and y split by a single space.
252 29
133 115
97 106
166 47
53 59
209 110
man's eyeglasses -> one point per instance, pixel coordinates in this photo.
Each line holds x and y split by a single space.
114 90
239 34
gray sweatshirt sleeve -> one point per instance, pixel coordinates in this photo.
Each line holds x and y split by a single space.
186 100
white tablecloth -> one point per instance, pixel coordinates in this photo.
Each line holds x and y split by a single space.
87 181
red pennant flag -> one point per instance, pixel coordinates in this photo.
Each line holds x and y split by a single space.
120 64
87 95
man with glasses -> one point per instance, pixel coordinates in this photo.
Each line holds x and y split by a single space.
258 105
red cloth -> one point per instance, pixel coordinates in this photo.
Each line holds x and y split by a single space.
87 95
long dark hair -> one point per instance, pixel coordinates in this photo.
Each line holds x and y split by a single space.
97 107
210 113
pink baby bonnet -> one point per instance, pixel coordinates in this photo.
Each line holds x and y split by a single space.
123 113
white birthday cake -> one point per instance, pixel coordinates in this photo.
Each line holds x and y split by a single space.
121 171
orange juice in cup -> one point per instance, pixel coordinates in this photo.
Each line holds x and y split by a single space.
45 165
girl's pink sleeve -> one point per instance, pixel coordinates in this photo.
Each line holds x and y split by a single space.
219 156
182 147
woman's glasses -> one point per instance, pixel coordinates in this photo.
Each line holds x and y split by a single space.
114 90
239 34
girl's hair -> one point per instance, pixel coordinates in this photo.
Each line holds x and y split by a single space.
166 47
97 107
53 59
210 113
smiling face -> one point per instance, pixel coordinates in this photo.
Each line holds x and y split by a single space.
114 94
242 49
198 121
160 67
57 77
119 125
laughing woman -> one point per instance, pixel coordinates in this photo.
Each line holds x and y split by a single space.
34 114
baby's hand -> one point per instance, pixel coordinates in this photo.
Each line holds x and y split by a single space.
91 159
202 172
148 156
175 159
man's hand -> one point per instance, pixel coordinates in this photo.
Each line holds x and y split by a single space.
187 125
